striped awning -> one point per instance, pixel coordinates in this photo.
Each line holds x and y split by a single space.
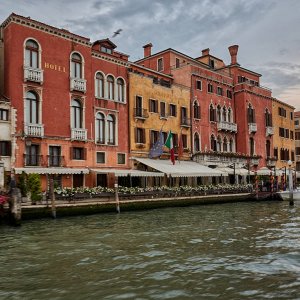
54 171
180 168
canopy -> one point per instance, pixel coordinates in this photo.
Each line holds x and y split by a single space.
181 168
51 171
238 171
267 171
131 172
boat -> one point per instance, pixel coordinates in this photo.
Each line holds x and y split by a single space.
285 195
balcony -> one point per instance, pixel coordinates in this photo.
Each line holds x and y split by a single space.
254 161
141 113
252 127
33 74
185 122
163 116
78 84
269 130
32 160
227 126
36 130
56 161
79 134
297 158
271 162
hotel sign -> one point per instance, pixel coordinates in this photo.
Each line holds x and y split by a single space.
55 67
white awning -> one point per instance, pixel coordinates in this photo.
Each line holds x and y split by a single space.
238 171
267 171
181 168
131 172
51 171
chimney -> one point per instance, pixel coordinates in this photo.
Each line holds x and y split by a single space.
205 52
147 50
233 50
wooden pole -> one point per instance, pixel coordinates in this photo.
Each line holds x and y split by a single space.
52 197
117 195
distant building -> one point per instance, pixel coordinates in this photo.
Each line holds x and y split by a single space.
297 143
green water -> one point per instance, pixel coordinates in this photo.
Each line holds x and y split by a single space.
228 251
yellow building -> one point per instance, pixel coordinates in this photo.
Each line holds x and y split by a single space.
155 104
284 133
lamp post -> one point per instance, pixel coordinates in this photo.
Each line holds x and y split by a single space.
291 196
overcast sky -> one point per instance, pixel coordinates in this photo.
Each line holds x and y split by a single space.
267 31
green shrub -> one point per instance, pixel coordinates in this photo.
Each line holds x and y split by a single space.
22 184
34 186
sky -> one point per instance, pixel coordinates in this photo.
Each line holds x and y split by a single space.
267 31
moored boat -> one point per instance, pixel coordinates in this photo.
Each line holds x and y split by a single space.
285 195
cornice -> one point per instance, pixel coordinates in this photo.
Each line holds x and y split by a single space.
110 59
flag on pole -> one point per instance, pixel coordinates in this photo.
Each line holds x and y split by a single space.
180 147
157 149
169 144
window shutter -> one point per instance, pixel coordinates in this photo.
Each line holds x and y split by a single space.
9 148
253 116
84 153
71 152
135 134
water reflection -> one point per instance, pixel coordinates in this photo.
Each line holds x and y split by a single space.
229 251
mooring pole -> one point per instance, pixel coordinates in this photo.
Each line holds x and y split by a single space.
256 185
291 185
52 197
117 195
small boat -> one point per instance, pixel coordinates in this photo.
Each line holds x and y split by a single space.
285 195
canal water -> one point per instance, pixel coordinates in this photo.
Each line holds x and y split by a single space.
226 251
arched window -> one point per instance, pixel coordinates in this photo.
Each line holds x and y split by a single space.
251 114
251 146
268 118
212 113
268 148
197 112
120 90
111 129
110 87
231 149
196 142
100 128
99 85
32 54
76 66
225 142
219 144
213 143
229 115
76 114
32 108
224 116
218 113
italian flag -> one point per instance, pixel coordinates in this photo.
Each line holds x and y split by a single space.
169 144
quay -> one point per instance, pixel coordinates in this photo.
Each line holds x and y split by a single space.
75 207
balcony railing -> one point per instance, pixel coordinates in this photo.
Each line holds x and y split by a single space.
228 126
271 161
33 74
34 130
185 122
297 158
269 130
32 160
78 84
254 161
163 116
56 161
252 127
79 134
140 113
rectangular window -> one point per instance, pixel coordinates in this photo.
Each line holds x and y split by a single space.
212 63
281 132
297 136
32 157
199 85
153 137
5 148
172 108
292 155
106 50
292 115
140 135
296 122
229 94
219 91
78 153
165 136
160 64
153 105
100 157
297 150
210 88
287 133
177 63
54 156
292 134
121 159
276 153
184 141
3 114
281 112
163 110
